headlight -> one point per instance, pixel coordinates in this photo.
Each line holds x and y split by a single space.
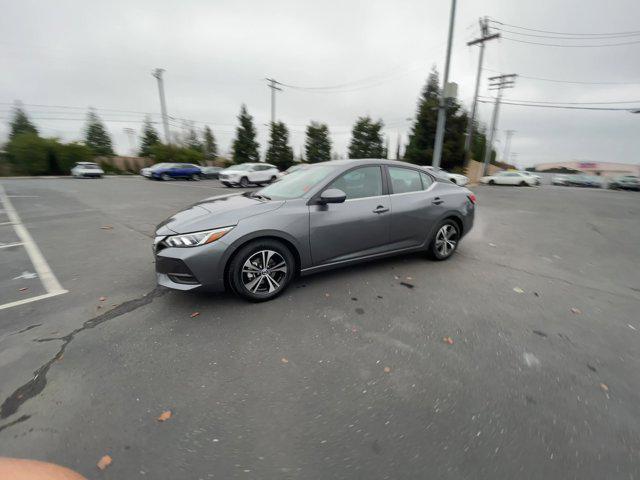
197 238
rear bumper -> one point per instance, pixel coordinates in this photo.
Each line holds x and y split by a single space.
197 268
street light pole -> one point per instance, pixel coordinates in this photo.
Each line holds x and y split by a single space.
157 73
499 83
442 107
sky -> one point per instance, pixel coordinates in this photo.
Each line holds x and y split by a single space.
59 58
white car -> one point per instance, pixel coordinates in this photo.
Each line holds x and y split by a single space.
537 178
510 178
245 174
87 169
453 177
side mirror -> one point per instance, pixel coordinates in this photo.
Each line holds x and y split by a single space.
333 195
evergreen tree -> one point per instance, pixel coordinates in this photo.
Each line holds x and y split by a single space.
21 123
209 144
317 144
279 152
96 136
366 139
191 139
148 139
245 146
422 137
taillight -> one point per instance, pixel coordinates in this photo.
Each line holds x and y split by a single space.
472 198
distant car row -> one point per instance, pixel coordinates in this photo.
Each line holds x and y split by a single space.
622 182
512 177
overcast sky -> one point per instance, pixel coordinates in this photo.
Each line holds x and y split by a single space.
216 54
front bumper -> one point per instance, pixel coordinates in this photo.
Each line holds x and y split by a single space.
192 268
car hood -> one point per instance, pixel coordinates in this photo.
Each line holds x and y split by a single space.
215 212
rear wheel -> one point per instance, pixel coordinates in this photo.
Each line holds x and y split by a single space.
492 182
244 182
165 177
273 179
445 241
195 177
261 270
523 183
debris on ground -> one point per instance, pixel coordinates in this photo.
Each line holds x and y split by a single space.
107 227
408 278
354 329
387 370
164 416
631 326
492 245
284 360
576 311
408 285
518 290
604 387
327 295
104 462
102 299
194 314
448 340
536 294
24 289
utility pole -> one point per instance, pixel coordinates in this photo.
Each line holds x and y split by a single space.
499 82
484 37
442 107
163 104
507 144
273 87
398 147
130 133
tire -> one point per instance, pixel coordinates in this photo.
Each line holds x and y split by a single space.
492 182
195 177
523 183
165 177
273 179
265 284
453 180
244 182
449 232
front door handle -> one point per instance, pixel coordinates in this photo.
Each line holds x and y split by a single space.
437 201
381 209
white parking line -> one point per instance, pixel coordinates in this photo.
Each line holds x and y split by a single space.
48 279
9 245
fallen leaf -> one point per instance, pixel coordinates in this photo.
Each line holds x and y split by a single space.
387 369
24 289
102 299
104 462
448 340
577 311
631 326
60 357
492 245
354 330
327 295
518 290
164 416
408 278
284 360
194 314
107 227
604 387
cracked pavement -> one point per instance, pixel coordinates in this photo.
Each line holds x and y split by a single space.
347 374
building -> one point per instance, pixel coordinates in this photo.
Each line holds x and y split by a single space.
603 169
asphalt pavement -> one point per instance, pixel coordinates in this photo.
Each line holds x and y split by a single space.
517 358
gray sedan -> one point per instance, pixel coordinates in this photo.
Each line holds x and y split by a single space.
327 215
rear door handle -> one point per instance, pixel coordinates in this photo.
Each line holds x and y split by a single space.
437 201
381 209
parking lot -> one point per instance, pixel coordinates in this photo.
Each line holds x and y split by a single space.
346 375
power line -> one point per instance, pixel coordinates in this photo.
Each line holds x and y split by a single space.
626 35
570 103
566 107
577 82
563 33
69 107
571 46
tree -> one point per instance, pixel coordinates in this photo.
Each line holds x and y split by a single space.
96 136
317 144
209 144
279 152
366 139
21 123
148 139
191 140
174 153
28 154
245 146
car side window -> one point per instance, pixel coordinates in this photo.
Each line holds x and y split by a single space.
426 180
404 180
360 183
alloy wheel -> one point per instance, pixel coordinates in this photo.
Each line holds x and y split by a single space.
446 240
264 272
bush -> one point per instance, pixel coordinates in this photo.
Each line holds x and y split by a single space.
172 153
109 168
29 154
68 155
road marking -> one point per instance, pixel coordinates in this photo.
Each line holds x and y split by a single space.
48 279
9 245
23 196
5 223
31 299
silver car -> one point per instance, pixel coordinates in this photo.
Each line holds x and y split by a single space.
327 215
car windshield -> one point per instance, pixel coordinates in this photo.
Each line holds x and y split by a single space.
241 168
158 166
89 166
296 184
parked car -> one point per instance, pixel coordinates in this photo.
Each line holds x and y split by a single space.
588 181
245 174
294 168
453 177
625 182
328 215
169 171
560 179
210 172
537 178
87 170
510 178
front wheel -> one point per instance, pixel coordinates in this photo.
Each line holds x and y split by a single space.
492 182
273 179
165 177
244 182
195 177
445 241
523 183
261 270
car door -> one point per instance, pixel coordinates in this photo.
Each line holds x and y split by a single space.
253 174
357 227
415 206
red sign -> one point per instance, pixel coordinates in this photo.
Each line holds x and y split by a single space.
587 165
